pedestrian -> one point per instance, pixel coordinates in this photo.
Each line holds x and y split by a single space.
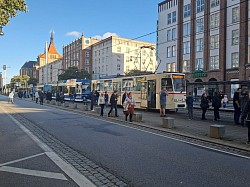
92 96
246 117
113 102
224 101
106 99
190 103
124 96
244 98
37 96
216 103
101 102
163 101
57 96
236 104
11 97
41 97
204 105
129 107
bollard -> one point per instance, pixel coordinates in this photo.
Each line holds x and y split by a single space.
66 105
137 117
73 106
98 110
217 131
168 122
85 108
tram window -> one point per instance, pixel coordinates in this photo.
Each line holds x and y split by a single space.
138 84
116 86
108 85
167 83
144 87
127 84
179 84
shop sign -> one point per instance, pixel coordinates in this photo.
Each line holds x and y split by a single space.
200 74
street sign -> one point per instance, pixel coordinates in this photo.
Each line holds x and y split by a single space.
4 67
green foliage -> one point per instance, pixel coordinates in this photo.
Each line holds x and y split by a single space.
136 72
74 73
32 81
22 79
10 9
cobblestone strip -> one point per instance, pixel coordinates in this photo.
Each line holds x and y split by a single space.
95 173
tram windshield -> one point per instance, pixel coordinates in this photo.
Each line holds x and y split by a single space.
179 83
86 88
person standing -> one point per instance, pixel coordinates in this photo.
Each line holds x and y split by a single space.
11 97
236 104
243 102
124 96
37 96
106 96
130 107
224 101
113 102
246 117
41 97
190 103
92 100
101 102
204 105
216 103
163 101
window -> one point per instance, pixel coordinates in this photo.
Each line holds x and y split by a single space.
186 29
214 42
187 10
169 35
119 49
199 44
169 18
173 51
200 25
186 47
214 62
199 6
127 50
86 61
235 14
214 3
235 37
186 66
235 60
214 20
173 33
174 17
199 64
87 54
169 52
118 67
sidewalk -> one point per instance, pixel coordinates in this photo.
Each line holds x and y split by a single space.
235 136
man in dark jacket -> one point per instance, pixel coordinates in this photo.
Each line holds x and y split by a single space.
246 117
216 103
113 103
124 96
189 102
236 104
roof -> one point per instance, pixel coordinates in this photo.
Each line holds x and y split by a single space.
28 64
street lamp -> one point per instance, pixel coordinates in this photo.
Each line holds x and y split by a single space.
1 31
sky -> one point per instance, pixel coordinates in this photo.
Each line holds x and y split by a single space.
25 35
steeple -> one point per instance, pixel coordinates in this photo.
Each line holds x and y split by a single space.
52 37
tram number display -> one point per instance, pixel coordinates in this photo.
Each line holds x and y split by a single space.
178 76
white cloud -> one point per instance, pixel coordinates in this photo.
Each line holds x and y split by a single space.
74 33
105 35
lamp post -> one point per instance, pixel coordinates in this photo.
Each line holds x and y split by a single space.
1 30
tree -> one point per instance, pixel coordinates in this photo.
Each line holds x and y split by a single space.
23 79
10 9
32 81
136 72
74 73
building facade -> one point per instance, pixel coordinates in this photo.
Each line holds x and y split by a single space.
79 54
206 39
28 69
44 71
118 56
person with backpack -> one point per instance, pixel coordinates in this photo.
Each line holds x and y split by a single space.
216 103
246 117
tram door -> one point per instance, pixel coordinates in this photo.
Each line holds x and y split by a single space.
152 94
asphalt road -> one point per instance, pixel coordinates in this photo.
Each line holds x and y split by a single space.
141 158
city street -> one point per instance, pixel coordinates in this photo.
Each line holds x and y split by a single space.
108 153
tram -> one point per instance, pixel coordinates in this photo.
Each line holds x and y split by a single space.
146 88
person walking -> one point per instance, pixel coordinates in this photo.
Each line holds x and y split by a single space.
236 104
92 96
204 105
246 117
124 96
130 107
106 96
190 103
37 96
224 101
216 103
41 97
11 97
101 102
113 102
244 98
163 101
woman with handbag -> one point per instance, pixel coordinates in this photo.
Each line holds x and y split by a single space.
204 105
129 108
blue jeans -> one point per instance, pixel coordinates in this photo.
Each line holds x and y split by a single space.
115 107
237 113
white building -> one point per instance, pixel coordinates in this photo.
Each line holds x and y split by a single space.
115 55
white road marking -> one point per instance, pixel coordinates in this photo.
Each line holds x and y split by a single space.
36 173
22 159
75 175
183 141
